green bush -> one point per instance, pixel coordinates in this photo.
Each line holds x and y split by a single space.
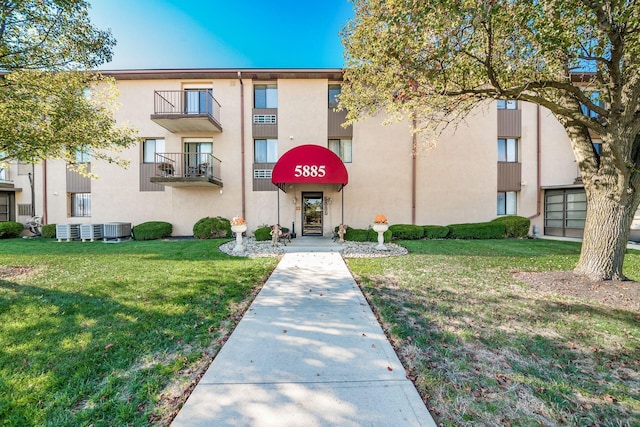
48 231
10 229
480 230
406 232
212 228
435 231
515 226
365 235
263 233
152 230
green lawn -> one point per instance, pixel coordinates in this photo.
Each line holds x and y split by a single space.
485 349
112 334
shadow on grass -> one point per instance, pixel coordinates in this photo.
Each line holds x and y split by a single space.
154 249
489 351
71 358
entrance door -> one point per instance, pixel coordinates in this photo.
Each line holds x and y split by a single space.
312 210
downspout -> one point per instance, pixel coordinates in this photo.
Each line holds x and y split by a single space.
44 191
539 166
242 154
414 174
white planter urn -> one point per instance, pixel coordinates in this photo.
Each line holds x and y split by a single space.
239 229
380 229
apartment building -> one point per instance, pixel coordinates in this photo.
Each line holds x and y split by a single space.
266 144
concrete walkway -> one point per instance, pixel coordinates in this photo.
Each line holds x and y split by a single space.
308 352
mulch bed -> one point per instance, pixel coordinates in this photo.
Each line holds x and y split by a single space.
621 294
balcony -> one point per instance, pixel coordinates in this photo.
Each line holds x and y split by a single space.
190 110
186 170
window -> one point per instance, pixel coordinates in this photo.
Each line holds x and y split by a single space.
83 155
342 147
507 104
507 203
265 150
80 204
597 145
595 98
198 101
149 149
334 93
265 96
507 150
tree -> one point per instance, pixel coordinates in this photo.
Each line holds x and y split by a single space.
51 104
434 60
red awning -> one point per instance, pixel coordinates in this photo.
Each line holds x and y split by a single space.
309 164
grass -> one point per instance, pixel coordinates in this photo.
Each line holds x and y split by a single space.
116 334
112 334
485 349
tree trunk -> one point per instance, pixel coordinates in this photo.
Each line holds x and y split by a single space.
606 234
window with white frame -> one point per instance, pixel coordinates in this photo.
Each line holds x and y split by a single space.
507 150
265 96
334 93
507 203
149 149
80 204
507 104
265 150
343 148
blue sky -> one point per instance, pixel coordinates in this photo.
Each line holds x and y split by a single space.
155 34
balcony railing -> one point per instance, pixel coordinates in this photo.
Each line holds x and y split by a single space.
186 110
187 168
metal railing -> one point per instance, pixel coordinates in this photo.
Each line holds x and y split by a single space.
185 102
188 165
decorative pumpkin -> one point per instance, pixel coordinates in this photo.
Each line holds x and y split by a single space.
380 219
237 220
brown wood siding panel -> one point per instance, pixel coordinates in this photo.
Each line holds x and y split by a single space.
77 183
336 119
263 130
509 123
263 184
147 170
509 176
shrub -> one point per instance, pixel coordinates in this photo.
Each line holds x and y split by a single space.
365 235
480 230
212 228
435 231
515 226
356 235
10 229
407 231
48 231
372 236
263 233
152 230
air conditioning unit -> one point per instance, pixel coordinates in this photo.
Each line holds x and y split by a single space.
91 232
117 230
67 232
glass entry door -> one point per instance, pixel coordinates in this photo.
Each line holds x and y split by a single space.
312 211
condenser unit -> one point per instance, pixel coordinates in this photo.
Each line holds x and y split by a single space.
117 230
91 232
67 232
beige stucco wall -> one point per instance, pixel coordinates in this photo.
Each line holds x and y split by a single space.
456 179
